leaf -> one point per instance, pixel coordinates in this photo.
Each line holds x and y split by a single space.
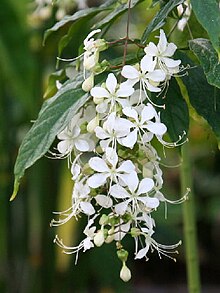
53 117
159 20
111 17
208 58
84 13
208 14
176 114
51 87
203 97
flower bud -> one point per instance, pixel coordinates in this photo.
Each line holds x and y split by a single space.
88 83
125 273
122 254
99 238
101 45
93 124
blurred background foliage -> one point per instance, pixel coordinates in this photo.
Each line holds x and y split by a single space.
29 262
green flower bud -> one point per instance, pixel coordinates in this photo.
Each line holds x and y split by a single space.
122 255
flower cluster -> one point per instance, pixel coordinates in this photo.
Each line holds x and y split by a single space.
115 168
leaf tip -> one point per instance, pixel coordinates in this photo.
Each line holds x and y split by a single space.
15 191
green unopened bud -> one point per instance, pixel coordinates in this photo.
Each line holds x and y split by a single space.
125 273
88 83
110 236
103 220
135 232
101 67
122 255
101 45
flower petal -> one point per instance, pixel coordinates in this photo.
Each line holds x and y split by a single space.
87 208
125 91
97 180
157 75
104 201
121 207
162 44
131 112
99 92
156 127
111 156
170 62
151 49
126 166
118 191
130 72
111 83
98 164
170 50
145 186
142 253
147 64
82 145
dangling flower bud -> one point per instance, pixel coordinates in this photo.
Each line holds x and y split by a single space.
93 124
125 273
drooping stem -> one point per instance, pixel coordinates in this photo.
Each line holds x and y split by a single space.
189 219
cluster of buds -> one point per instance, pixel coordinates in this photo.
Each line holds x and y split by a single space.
115 168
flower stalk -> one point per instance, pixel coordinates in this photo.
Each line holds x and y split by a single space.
189 219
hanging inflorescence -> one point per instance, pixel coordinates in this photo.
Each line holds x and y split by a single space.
108 144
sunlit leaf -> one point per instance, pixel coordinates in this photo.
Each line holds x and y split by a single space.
208 14
204 98
208 58
119 10
159 20
51 120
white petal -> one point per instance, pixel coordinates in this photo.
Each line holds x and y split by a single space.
101 133
142 253
130 140
145 186
152 88
147 64
111 83
130 72
121 208
118 191
147 113
99 92
104 201
156 128
82 145
150 202
98 164
118 231
130 112
157 75
132 181
102 107
126 166
125 91
87 208
170 50
151 49
170 62
162 44
64 147
111 156
97 180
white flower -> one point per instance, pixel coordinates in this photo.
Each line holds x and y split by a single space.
107 168
134 195
72 137
148 77
143 124
165 250
113 130
81 199
161 55
111 94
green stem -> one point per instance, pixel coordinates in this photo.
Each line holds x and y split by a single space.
189 219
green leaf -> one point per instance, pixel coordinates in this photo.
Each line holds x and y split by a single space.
117 11
51 87
204 98
208 58
159 20
53 117
176 114
208 14
84 13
